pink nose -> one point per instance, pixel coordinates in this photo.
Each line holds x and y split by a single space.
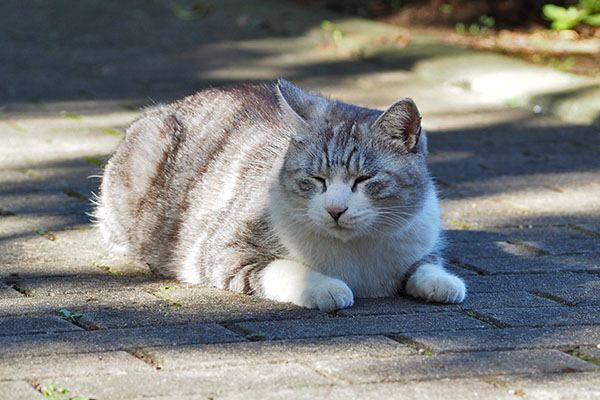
336 211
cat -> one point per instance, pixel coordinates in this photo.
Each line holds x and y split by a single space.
269 190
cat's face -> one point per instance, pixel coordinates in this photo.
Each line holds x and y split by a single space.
345 177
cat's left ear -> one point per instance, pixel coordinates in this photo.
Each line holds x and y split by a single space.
298 105
402 121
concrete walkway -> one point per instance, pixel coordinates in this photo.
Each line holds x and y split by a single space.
521 192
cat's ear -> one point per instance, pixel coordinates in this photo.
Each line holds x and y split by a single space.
401 121
299 105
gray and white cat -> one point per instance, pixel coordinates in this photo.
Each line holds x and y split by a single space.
268 190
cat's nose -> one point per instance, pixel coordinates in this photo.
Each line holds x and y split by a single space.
336 212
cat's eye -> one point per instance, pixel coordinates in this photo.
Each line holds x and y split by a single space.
321 181
359 180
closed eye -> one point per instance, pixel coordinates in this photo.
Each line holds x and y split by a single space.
360 179
321 181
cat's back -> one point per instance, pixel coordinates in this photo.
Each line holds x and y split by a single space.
202 157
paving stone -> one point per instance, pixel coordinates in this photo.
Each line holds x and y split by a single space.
76 364
523 233
19 390
543 317
7 292
439 389
507 338
370 370
80 303
528 282
251 353
117 339
96 281
584 294
505 265
405 304
565 386
215 312
492 249
591 351
361 325
12 326
200 381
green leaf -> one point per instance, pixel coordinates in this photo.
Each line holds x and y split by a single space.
554 12
593 20
562 24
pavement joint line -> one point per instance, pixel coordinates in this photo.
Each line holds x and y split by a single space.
583 230
422 349
532 249
245 333
143 355
552 297
487 319
576 352
469 267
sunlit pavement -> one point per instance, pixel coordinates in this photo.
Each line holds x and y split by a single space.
515 150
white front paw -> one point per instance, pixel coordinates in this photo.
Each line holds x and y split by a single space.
433 283
327 295
290 281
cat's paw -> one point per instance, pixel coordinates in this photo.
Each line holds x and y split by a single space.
327 295
290 281
433 283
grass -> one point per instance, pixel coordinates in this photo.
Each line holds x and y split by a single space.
67 114
586 357
45 233
71 317
94 161
112 132
78 196
55 392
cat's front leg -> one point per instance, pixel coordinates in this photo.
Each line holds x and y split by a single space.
290 281
431 282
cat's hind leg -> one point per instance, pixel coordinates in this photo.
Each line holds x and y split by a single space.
431 282
290 281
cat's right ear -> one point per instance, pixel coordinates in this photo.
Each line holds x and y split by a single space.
299 106
401 121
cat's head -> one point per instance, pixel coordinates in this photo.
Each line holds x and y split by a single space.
351 171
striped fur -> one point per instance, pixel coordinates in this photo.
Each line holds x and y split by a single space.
237 188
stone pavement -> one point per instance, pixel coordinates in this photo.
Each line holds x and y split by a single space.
521 192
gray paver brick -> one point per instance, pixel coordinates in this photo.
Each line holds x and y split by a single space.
7 292
19 390
405 304
528 282
250 353
508 338
582 262
544 317
107 340
571 386
76 364
440 389
12 326
453 366
202 381
79 303
584 294
523 233
361 325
